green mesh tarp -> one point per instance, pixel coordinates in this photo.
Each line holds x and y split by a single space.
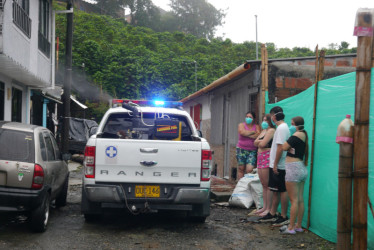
335 99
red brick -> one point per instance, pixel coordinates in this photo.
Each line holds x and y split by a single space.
303 83
279 82
311 63
329 63
290 82
343 63
282 94
354 62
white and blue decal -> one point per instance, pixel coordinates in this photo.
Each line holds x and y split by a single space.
111 151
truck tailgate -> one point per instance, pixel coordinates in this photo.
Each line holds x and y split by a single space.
148 161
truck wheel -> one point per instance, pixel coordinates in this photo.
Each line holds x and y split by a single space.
90 210
92 217
40 216
198 219
199 212
61 198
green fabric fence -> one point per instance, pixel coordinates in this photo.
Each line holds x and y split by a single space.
335 99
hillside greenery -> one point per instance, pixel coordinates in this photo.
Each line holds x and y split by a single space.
125 61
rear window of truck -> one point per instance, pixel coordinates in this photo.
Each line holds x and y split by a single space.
17 146
148 126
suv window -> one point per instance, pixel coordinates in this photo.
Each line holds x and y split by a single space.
49 146
43 149
126 126
56 148
19 146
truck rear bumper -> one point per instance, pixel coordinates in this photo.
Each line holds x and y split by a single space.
116 194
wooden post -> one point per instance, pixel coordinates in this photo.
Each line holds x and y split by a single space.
263 83
344 137
319 76
361 132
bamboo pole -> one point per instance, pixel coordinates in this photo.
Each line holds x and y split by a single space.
319 76
263 101
361 132
345 138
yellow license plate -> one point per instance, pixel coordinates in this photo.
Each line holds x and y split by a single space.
147 191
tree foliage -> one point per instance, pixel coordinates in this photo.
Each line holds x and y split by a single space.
197 17
127 61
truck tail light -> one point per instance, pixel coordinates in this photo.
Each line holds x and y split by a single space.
206 158
38 178
89 162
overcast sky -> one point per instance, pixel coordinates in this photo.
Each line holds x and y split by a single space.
288 23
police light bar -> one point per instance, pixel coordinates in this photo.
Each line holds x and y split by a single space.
148 103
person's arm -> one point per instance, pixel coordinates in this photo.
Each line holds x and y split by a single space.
268 136
286 146
255 133
242 131
258 140
278 155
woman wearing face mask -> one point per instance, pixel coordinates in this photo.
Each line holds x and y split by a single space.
296 173
245 148
263 142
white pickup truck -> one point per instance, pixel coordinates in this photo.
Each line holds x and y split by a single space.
146 159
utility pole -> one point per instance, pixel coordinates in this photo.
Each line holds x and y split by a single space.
68 77
195 75
256 40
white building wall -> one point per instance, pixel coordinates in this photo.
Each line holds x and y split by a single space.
23 50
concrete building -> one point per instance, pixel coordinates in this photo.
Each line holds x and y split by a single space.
218 108
27 89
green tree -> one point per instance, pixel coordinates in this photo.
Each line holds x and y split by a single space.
197 17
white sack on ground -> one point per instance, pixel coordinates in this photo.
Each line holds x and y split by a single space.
255 188
241 196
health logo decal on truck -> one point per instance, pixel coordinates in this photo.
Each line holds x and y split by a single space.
147 158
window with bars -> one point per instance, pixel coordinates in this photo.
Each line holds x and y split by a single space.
21 16
43 43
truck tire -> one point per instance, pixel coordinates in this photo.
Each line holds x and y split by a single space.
199 213
90 210
61 197
39 216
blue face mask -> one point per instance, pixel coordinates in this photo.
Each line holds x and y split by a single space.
264 125
292 129
248 120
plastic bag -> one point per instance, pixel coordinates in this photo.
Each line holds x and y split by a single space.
241 196
255 188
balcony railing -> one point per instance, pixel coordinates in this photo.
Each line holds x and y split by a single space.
21 19
44 45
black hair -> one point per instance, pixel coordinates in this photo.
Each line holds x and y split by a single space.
252 113
268 120
278 112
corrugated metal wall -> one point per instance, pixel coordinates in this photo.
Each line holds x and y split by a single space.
228 108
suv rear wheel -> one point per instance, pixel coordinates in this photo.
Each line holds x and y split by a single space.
40 216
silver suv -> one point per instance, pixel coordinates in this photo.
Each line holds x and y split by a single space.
32 172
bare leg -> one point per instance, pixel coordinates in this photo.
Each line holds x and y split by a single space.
240 172
284 203
292 190
275 203
249 168
263 173
300 212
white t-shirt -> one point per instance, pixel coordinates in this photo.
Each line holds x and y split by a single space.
281 135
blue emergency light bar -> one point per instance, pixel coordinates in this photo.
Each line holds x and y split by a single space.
147 103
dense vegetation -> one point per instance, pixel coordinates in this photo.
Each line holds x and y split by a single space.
137 62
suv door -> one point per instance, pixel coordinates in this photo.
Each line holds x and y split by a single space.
53 163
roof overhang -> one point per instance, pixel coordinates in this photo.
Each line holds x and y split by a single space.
236 72
78 103
13 70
